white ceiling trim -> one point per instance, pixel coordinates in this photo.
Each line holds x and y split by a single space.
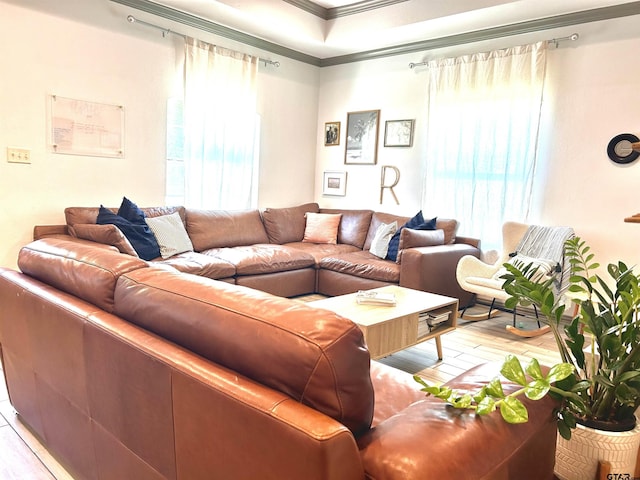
557 21
336 12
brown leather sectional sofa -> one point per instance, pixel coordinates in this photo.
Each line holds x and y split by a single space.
264 250
131 372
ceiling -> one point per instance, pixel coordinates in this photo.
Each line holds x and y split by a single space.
333 29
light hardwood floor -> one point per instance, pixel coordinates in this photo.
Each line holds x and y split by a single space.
23 457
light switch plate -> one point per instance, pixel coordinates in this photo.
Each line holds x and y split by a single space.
18 155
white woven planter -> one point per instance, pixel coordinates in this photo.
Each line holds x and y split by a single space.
577 459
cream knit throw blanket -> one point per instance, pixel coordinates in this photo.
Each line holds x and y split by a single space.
547 243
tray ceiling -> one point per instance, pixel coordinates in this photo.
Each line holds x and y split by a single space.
326 29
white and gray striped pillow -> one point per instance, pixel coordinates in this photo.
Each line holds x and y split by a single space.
380 242
170 234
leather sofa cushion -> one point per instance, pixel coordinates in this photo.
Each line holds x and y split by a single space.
354 225
313 355
198 264
321 250
82 270
223 228
363 264
395 390
410 238
263 258
285 225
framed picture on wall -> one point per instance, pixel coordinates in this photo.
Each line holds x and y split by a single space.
398 133
334 183
331 134
362 138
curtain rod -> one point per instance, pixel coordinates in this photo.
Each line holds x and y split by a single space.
166 31
555 41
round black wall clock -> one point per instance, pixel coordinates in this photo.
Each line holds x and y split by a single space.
620 149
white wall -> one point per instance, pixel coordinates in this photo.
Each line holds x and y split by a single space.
592 94
399 93
88 51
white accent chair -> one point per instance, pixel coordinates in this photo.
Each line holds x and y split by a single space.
482 279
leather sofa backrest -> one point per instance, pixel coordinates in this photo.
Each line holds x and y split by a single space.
83 215
315 356
224 228
448 225
287 225
82 270
354 225
450 228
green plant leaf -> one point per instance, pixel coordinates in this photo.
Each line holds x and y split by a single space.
626 395
420 380
533 369
513 410
432 390
443 393
512 370
461 402
604 381
559 372
628 376
581 386
494 388
511 303
563 429
487 405
537 389
480 395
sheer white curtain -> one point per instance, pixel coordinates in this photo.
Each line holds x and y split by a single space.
483 122
221 127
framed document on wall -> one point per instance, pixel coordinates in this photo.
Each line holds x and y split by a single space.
86 128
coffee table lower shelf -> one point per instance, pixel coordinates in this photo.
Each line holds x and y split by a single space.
389 329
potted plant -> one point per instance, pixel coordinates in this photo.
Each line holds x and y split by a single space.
597 383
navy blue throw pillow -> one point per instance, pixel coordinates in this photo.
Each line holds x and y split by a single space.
140 236
416 223
130 211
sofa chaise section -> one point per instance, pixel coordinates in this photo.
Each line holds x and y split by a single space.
128 371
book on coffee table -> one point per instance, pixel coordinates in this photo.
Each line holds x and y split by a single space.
366 297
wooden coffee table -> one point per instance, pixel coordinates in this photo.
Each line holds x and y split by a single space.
388 329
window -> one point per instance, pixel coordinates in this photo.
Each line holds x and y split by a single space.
483 119
213 131
175 153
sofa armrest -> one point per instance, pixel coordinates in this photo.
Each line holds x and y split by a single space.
41 231
69 238
474 242
433 269
429 439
